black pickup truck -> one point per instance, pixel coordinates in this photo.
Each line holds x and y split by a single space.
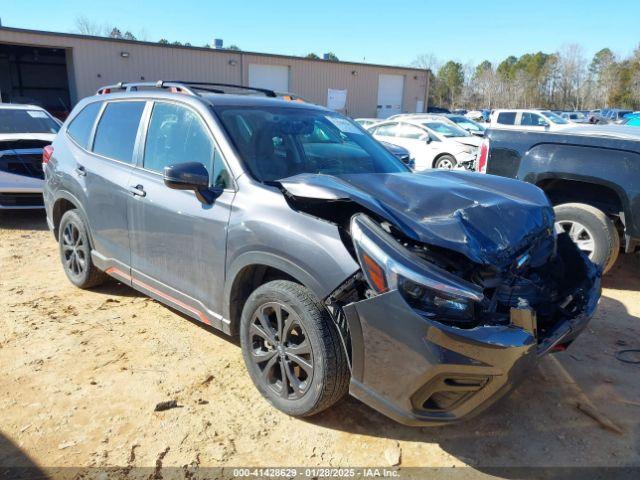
591 175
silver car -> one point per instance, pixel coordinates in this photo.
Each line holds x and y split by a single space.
24 132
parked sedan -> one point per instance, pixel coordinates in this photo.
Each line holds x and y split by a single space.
432 143
24 131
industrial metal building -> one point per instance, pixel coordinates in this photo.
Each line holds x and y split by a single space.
56 70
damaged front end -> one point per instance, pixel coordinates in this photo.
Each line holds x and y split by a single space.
437 337
463 285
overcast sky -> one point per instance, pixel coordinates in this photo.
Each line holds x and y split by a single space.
373 31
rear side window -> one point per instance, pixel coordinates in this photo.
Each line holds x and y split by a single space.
388 130
80 127
117 130
507 118
177 134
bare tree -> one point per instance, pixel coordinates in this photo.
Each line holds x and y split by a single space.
85 26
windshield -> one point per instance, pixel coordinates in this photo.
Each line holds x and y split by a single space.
26 121
279 142
446 130
467 124
554 117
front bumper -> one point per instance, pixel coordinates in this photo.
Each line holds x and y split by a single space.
421 372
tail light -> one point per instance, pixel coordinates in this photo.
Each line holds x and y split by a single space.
47 151
483 156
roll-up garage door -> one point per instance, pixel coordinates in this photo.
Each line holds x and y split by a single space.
274 77
390 88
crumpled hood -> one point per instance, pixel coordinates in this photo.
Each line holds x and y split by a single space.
487 218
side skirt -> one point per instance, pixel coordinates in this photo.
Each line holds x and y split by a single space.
165 294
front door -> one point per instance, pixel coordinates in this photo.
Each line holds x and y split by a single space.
178 243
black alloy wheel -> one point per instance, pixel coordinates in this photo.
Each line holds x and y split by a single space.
281 350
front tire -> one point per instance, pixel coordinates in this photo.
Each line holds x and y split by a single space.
292 349
591 230
445 162
75 252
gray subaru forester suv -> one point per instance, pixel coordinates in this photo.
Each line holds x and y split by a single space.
427 296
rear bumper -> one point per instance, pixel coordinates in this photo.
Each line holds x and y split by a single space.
420 372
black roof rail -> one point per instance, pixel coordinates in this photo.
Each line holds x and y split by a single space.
202 86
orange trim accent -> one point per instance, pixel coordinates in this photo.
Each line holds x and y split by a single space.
375 273
201 316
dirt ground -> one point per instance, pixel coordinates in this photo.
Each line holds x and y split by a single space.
81 373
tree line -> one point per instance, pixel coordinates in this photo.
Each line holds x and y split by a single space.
564 80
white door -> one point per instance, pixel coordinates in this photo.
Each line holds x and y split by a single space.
390 89
273 77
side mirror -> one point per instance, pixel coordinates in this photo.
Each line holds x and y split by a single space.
427 139
186 176
189 176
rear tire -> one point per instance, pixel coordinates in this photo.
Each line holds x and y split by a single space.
75 252
445 162
592 231
287 333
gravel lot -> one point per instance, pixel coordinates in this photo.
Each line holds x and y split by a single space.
83 370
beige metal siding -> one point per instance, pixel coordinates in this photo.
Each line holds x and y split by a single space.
98 62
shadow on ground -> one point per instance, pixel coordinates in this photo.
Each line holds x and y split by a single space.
15 463
23 220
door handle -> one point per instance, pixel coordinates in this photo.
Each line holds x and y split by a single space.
81 171
137 190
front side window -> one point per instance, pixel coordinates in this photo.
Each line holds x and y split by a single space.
411 132
176 135
280 142
532 120
117 129
507 118
14 120
80 127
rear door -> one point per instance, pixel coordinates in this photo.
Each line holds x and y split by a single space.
105 172
178 243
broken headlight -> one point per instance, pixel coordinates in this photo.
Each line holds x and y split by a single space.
435 304
428 289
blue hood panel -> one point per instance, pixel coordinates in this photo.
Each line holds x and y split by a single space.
487 218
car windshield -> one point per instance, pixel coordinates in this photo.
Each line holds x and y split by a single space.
13 120
555 118
446 130
279 142
467 124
